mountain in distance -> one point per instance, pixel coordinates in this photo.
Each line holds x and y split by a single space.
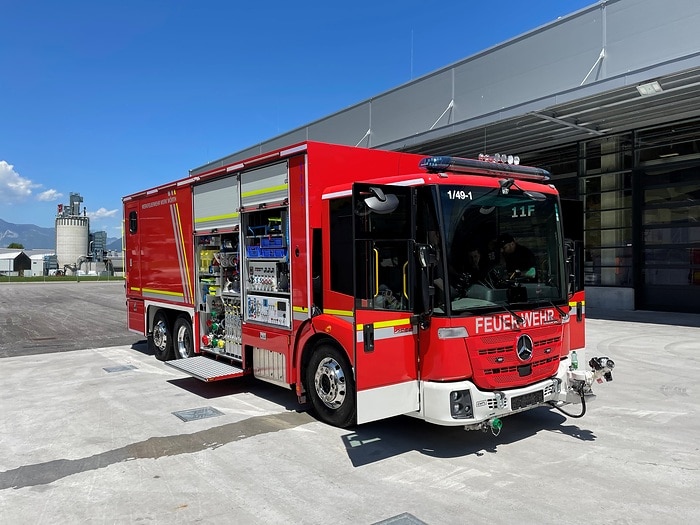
114 244
36 238
28 235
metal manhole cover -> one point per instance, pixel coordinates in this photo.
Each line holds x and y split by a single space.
122 368
402 519
197 413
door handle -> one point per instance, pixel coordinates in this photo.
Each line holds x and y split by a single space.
368 337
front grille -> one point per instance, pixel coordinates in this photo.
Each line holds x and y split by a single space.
498 350
496 364
510 369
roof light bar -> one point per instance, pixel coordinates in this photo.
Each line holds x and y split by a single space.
503 163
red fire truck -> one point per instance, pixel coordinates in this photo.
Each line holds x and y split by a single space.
347 275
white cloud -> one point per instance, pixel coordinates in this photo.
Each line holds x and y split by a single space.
13 187
102 213
49 196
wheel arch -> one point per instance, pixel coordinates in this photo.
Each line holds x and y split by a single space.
310 345
170 310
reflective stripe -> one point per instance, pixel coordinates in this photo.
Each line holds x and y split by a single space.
163 294
384 324
180 248
263 191
388 333
217 217
387 330
574 305
339 313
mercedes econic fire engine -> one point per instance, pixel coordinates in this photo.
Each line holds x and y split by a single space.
371 283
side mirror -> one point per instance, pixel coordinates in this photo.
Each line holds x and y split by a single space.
427 260
574 264
381 202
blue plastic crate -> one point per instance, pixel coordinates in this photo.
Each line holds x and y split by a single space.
272 242
276 253
253 251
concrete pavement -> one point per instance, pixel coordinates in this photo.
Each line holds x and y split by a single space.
91 435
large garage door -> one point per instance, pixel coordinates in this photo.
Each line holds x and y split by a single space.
671 238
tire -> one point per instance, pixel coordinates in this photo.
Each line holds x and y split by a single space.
331 386
183 343
160 340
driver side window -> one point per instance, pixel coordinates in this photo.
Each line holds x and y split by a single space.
392 276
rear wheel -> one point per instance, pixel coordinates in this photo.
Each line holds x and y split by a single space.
160 341
182 338
331 386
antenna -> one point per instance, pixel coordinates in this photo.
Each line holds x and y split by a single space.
411 53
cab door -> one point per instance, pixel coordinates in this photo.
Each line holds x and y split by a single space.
386 351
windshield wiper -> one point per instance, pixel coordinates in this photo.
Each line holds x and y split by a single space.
564 315
518 318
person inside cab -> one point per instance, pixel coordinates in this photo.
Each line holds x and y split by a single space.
475 266
519 260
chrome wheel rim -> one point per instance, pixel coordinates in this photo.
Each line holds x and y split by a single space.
184 342
160 335
329 382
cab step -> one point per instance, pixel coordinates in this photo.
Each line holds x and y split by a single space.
206 369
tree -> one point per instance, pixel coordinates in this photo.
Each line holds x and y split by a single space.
15 246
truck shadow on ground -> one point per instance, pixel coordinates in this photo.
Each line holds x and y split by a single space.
240 385
380 440
142 347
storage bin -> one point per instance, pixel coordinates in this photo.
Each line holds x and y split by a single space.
276 253
272 242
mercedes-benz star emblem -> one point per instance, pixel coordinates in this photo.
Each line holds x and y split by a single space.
524 347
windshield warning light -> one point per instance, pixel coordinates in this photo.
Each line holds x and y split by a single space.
507 159
495 165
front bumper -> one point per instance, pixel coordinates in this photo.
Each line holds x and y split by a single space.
436 400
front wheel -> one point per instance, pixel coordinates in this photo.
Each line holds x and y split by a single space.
160 342
182 338
331 386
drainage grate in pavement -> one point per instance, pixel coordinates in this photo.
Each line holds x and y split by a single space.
402 519
122 368
197 413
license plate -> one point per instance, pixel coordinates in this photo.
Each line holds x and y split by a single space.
526 400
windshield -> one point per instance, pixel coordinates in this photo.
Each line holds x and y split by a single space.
499 250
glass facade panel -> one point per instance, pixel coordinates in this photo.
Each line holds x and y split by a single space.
674 235
665 215
668 143
669 260
668 256
641 196
606 190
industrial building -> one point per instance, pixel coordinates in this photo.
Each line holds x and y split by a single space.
77 250
14 263
606 99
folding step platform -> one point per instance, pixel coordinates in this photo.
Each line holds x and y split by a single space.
206 369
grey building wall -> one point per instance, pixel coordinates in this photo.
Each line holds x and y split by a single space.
567 82
608 45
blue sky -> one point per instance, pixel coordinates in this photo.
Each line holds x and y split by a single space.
106 98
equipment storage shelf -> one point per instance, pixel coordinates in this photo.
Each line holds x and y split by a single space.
219 290
267 286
